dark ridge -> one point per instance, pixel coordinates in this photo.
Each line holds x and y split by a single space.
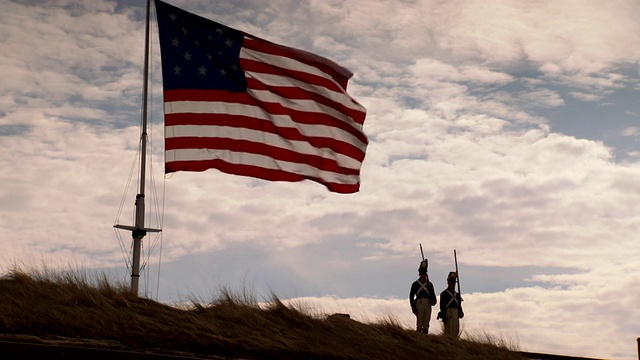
69 310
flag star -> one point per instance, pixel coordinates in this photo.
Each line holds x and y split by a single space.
229 43
176 70
219 30
210 57
173 17
197 43
222 72
185 30
187 56
233 67
175 42
202 71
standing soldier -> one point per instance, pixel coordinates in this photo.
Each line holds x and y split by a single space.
451 307
422 297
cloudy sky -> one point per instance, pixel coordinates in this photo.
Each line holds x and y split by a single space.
507 130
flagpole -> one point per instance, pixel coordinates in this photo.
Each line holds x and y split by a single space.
138 231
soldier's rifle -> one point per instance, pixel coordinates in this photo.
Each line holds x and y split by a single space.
455 258
424 264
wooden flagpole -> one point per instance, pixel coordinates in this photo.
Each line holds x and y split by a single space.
138 231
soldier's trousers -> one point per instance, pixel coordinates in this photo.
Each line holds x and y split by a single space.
424 314
452 326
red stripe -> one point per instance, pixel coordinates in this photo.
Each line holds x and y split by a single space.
250 65
255 171
206 95
246 146
301 117
298 93
246 122
302 56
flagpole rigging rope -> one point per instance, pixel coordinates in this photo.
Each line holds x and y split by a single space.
134 168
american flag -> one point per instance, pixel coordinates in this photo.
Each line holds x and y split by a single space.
247 106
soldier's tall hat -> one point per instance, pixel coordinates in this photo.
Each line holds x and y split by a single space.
452 277
424 264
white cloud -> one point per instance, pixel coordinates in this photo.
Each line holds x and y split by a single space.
575 36
434 69
585 97
632 131
57 192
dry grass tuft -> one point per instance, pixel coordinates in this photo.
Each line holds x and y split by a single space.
68 305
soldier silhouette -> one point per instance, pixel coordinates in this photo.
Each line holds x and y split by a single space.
421 298
451 307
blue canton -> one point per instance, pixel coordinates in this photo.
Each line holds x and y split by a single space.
198 53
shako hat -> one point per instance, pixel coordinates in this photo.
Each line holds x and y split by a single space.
424 264
452 277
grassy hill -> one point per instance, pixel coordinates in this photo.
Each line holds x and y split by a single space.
97 313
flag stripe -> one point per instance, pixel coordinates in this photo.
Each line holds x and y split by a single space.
223 102
212 147
306 75
339 74
213 137
207 125
340 184
276 72
272 93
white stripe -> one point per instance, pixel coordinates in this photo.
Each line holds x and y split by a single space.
262 137
263 161
288 63
204 107
284 62
283 81
304 105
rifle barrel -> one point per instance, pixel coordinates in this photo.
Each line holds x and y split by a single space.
455 258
